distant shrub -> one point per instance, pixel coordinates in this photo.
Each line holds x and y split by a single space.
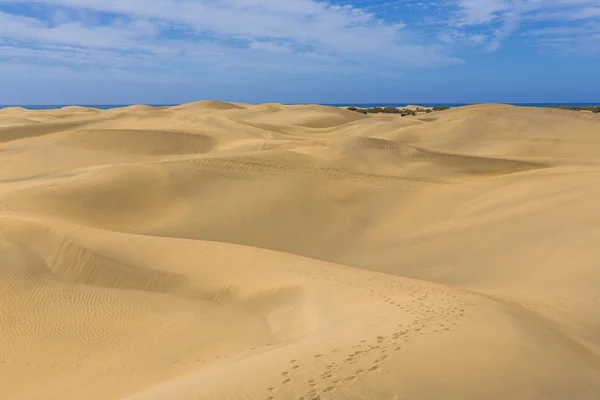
393 110
360 110
594 109
405 111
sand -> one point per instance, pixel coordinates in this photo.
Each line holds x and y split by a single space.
229 251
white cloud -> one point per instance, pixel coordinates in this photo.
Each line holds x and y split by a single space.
303 27
271 47
478 39
501 19
75 33
298 35
478 12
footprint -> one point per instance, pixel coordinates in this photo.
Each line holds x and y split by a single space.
286 381
295 367
374 368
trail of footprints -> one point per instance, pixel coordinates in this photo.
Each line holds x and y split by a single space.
335 374
422 308
374 352
420 311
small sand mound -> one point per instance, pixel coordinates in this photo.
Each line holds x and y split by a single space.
13 110
207 104
266 107
132 110
78 109
304 116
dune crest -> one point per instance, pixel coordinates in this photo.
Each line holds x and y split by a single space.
208 104
220 250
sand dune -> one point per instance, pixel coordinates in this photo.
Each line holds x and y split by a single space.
228 251
207 105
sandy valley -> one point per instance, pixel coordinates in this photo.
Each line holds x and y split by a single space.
229 251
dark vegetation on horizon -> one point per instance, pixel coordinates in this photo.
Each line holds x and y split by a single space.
594 109
405 111
393 110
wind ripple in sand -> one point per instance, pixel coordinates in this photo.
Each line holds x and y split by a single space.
226 251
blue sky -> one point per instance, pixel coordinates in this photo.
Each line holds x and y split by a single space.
175 51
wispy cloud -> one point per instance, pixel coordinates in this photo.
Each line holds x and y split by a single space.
188 36
502 19
206 32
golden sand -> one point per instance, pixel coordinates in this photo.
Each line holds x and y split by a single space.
230 251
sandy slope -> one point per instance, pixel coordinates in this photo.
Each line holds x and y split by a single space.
229 251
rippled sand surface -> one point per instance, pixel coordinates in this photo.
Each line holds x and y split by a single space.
228 251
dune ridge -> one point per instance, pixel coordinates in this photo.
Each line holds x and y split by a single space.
220 250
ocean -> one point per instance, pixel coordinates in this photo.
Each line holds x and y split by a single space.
361 105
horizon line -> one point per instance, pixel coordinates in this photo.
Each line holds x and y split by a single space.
302 103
